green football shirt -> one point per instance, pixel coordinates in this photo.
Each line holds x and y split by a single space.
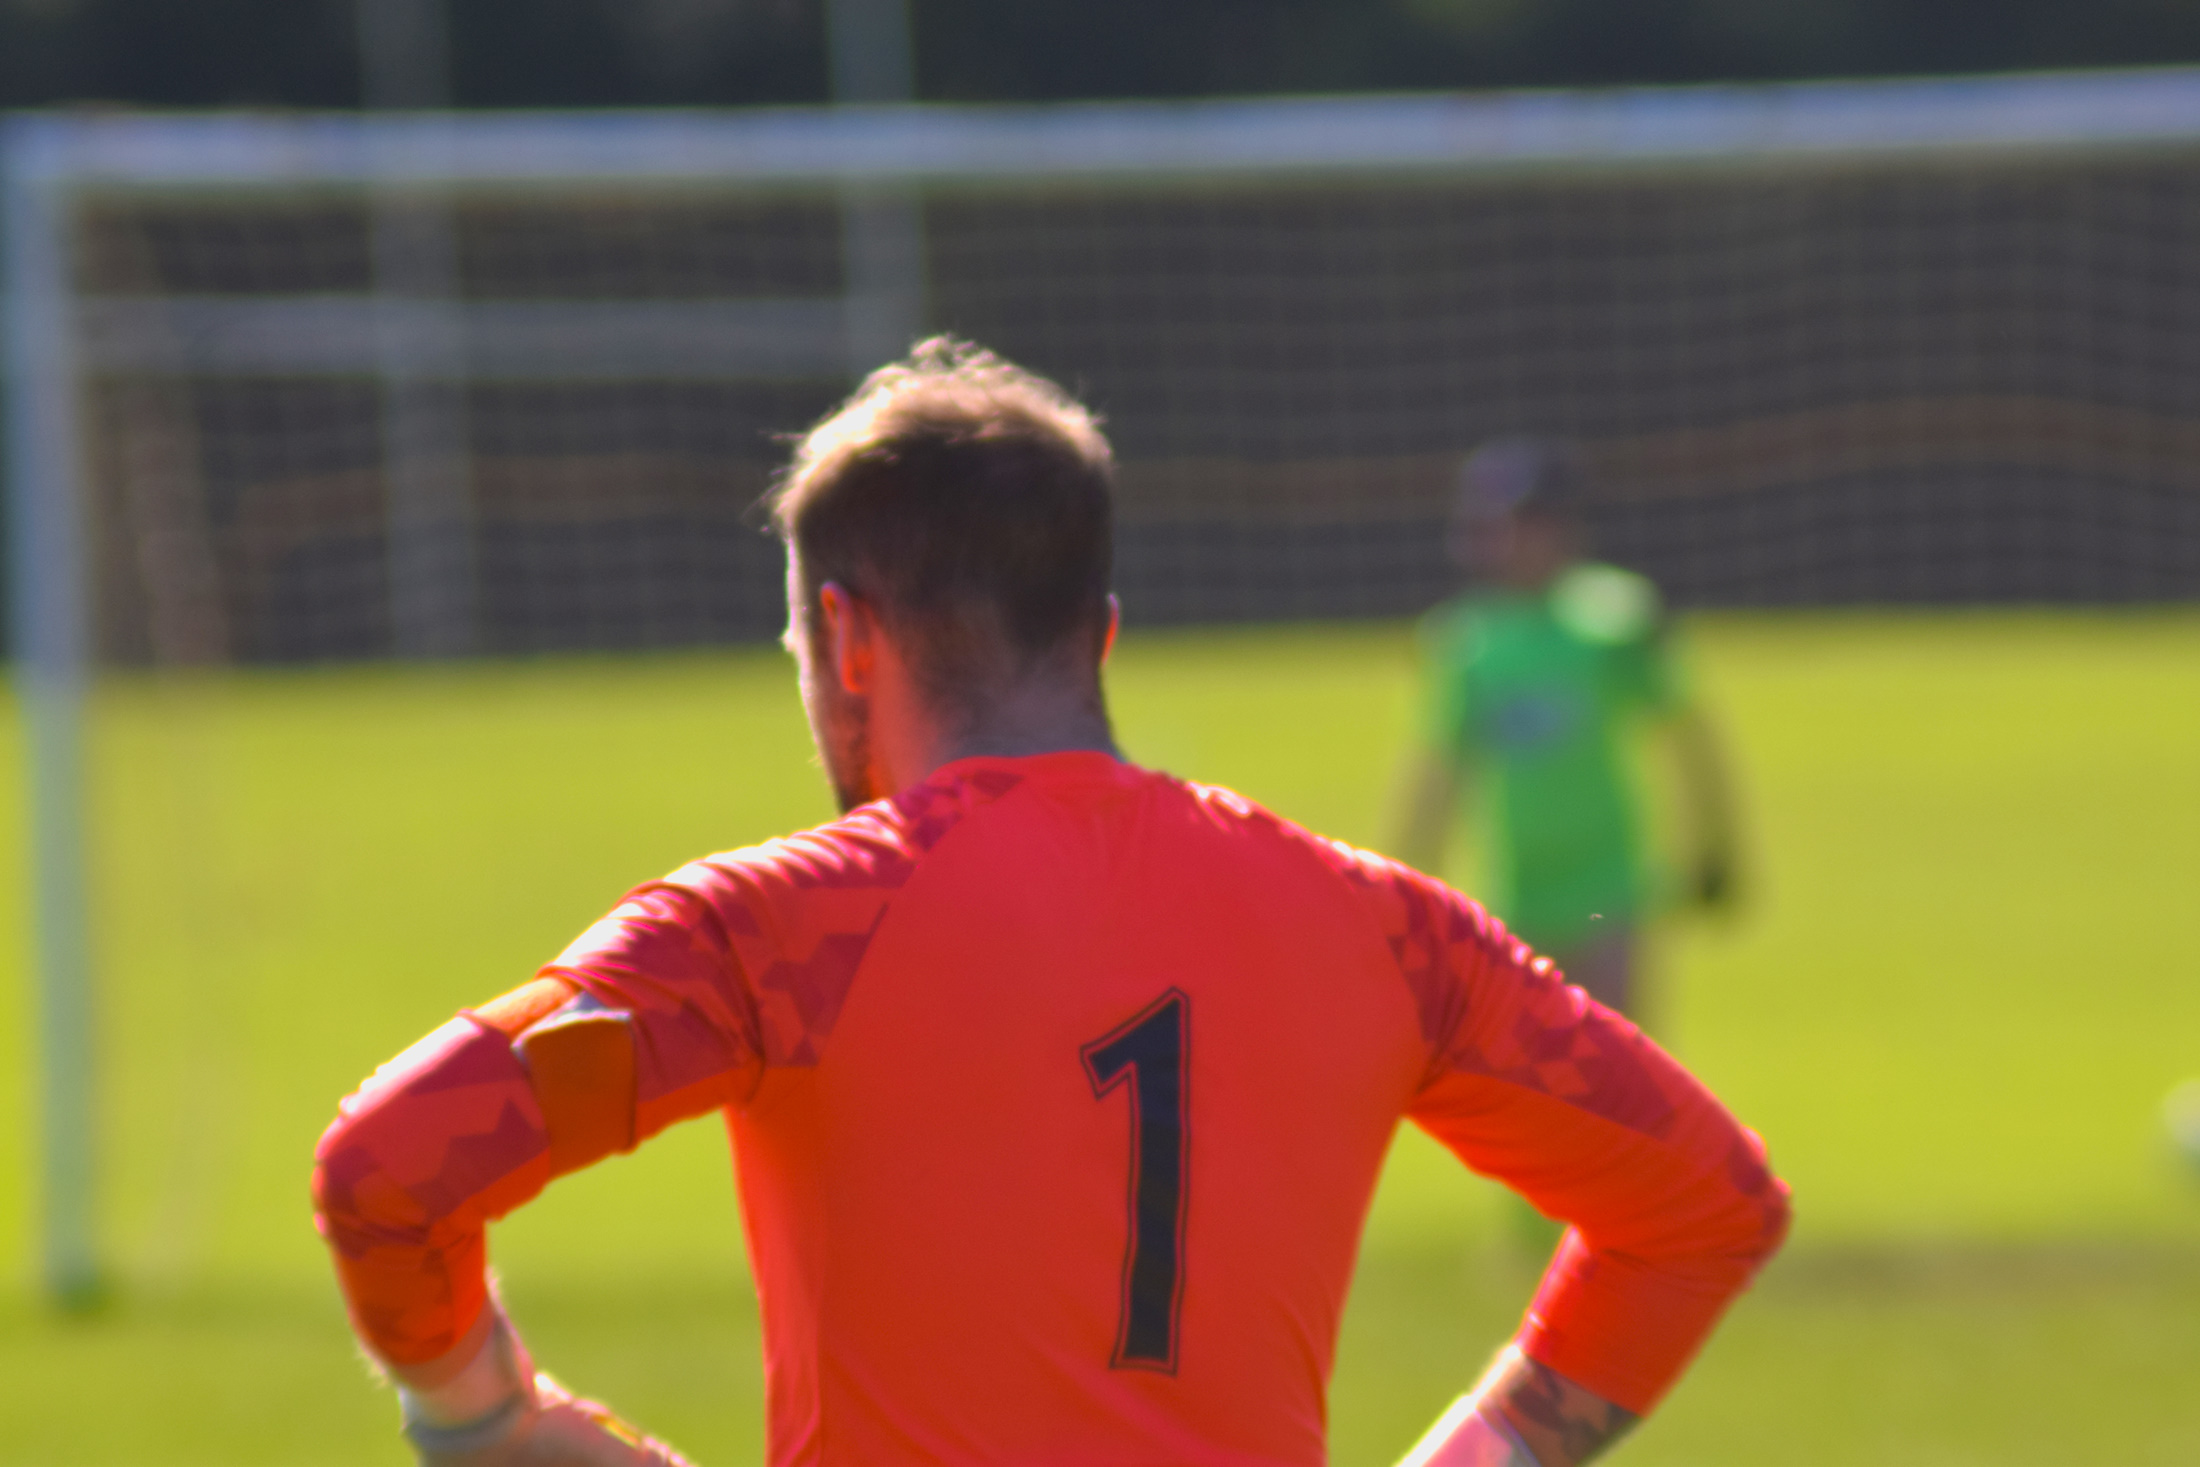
1537 695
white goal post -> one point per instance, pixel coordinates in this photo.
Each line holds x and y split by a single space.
416 325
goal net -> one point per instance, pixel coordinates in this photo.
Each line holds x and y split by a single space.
356 389
310 389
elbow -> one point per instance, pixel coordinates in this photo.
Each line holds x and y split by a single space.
440 1140
1777 1215
1758 1212
357 1204
336 1177
429 1144
1717 1229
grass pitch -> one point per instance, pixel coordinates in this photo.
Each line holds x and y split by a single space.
1964 983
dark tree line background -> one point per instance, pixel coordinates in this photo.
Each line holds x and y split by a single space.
507 53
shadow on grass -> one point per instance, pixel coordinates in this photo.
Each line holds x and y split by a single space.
1928 1355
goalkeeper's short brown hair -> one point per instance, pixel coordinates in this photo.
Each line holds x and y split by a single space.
968 500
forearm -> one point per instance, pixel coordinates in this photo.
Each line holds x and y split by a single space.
441 1140
1706 792
1562 1423
1672 1205
1612 1326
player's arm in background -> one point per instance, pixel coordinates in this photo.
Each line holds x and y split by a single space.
1705 794
1437 779
474 1121
1671 1205
1695 763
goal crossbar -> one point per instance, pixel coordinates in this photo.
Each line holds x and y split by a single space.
1450 134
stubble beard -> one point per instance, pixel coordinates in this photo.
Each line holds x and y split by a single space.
847 753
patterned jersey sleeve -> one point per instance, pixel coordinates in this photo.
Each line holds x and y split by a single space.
1671 1204
671 1007
644 1021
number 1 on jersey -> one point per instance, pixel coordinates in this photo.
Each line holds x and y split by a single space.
1152 1051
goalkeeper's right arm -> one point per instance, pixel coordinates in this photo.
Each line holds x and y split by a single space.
466 1125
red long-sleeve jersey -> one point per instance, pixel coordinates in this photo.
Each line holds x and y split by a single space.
1058 1089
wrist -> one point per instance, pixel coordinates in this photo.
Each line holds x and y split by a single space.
1473 1433
477 1390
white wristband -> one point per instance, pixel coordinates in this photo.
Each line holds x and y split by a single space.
488 1387
1469 1436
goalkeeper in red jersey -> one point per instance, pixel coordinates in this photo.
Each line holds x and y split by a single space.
1058 1087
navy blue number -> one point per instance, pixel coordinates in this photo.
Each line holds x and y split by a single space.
1151 1051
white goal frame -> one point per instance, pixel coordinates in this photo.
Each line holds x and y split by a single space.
876 158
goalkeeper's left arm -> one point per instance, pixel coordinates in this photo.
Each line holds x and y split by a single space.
1672 1202
463 1127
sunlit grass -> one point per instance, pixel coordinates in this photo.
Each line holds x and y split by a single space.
1963 986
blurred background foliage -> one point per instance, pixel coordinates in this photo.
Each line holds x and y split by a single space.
540 53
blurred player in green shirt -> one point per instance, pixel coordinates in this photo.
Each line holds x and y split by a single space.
1539 684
